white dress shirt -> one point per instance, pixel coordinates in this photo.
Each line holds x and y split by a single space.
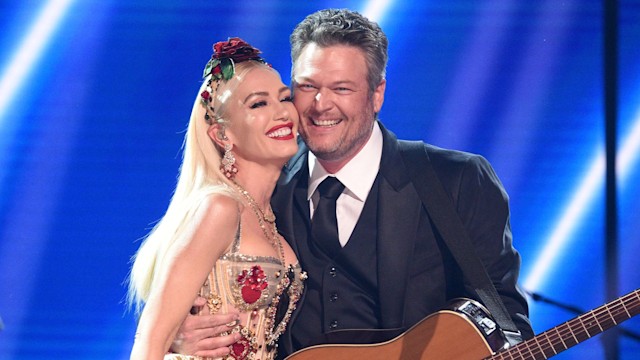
357 176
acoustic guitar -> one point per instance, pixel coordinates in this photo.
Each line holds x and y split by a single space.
466 331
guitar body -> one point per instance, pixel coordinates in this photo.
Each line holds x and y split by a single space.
443 335
468 332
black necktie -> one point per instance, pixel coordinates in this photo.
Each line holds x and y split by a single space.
324 226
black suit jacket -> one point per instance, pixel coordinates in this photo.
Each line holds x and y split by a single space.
416 273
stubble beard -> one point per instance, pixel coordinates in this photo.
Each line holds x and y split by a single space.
343 146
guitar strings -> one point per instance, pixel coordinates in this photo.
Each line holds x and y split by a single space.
625 306
614 310
578 326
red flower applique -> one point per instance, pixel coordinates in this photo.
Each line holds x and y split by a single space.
240 349
253 282
236 49
226 54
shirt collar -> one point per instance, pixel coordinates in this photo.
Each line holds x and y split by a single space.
358 174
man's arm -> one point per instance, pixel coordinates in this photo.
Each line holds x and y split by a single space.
483 205
200 334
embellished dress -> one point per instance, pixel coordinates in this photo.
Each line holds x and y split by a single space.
262 289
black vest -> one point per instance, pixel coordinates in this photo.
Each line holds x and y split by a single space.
341 293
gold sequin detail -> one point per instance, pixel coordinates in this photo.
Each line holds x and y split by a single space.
214 301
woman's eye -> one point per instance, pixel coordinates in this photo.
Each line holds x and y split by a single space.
287 98
258 104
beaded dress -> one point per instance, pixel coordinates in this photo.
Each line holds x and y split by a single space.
263 289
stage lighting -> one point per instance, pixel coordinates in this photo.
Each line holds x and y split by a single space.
580 203
29 51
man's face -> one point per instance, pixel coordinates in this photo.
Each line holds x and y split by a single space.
332 96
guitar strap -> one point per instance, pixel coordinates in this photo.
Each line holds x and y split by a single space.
450 227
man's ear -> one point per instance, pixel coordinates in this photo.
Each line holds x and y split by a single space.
378 96
216 133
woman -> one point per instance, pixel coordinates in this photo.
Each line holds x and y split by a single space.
218 238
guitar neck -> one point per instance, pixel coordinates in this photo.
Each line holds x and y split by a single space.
575 331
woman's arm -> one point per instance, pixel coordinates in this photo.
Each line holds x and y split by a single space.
185 268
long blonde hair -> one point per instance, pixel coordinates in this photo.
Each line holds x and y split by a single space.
199 177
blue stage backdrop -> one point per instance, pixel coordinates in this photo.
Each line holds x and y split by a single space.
95 96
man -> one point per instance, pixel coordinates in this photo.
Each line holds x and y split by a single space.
387 267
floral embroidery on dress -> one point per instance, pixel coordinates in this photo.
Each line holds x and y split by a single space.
246 347
263 290
253 283
277 322
214 301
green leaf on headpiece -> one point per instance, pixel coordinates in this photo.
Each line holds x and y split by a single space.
228 68
209 68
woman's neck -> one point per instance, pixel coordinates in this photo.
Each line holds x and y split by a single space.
259 182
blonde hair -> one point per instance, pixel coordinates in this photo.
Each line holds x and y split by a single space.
200 176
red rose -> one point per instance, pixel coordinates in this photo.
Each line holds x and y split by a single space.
236 49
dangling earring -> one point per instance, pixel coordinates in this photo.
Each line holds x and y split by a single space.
228 166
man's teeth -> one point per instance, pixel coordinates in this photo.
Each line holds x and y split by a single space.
326 122
285 131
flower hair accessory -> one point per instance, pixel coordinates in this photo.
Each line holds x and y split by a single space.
221 66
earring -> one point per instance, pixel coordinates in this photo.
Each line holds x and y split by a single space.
222 135
228 166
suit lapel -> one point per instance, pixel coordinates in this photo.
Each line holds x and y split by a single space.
289 200
300 209
398 217
399 211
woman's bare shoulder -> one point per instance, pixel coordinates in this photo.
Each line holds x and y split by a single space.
220 209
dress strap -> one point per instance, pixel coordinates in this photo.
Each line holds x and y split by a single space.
235 246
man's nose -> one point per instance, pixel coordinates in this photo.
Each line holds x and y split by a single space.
322 101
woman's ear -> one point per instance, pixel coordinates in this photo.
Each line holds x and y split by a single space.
216 133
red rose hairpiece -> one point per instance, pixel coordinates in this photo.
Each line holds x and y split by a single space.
221 66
